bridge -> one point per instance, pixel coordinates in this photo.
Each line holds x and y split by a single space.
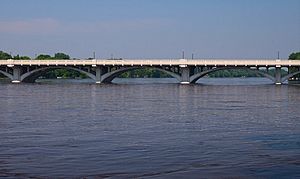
186 71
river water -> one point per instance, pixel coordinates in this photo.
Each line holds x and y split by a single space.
220 128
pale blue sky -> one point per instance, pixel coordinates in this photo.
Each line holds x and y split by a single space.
151 28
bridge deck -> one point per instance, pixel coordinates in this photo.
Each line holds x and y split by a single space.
150 62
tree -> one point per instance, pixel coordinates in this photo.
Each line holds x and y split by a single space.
24 58
57 56
5 56
61 56
18 57
295 56
43 57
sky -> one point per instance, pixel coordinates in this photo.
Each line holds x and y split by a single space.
151 28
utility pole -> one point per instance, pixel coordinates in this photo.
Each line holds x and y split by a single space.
278 55
192 56
94 55
182 54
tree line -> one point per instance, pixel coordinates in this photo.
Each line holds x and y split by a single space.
6 56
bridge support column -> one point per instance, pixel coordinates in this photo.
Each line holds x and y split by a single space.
98 74
16 75
278 75
185 75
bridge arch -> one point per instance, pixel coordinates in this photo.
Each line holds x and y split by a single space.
31 76
196 77
108 77
6 74
289 76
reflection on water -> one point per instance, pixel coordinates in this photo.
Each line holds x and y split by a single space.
150 130
204 81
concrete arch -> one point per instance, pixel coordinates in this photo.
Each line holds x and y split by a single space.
194 78
34 74
108 77
289 76
6 74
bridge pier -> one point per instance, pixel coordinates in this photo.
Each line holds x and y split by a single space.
16 75
185 75
98 74
278 76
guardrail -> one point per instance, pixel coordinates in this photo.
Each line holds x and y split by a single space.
150 62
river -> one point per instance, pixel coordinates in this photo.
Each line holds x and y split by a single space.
150 128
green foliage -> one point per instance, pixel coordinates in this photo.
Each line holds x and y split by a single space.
295 56
235 73
43 57
63 73
5 56
61 56
18 57
144 73
57 56
232 73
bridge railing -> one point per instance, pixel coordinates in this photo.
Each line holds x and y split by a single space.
149 62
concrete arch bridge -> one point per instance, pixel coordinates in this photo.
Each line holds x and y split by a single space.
186 71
